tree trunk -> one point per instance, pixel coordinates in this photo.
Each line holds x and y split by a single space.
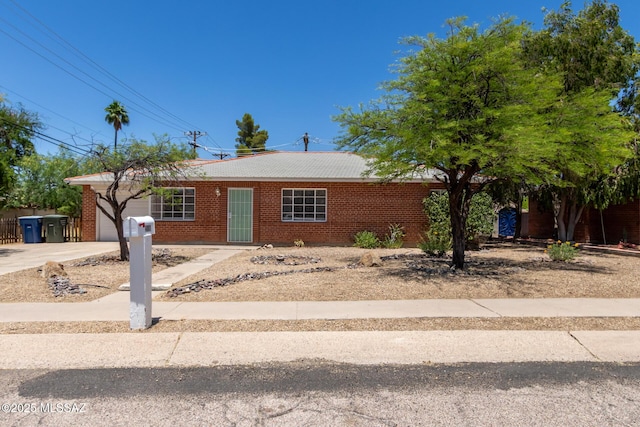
459 201
459 241
115 141
575 213
517 233
117 221
562 228
124 248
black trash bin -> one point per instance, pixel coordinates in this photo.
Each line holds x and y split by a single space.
31 228
54 226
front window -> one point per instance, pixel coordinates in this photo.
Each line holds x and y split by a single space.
174 204
304 204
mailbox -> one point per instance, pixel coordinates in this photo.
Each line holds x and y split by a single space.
138 226
138 229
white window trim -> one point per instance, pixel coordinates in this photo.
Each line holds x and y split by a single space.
315 205
158 216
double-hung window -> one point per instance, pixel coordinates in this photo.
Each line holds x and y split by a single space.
304 205
174 204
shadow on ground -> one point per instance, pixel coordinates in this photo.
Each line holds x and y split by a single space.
5 252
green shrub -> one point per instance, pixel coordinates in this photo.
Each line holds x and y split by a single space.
437 239
394 239
481 216
562 251
366 239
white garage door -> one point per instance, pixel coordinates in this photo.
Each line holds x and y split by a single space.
107 230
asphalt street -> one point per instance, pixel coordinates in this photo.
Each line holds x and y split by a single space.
319 393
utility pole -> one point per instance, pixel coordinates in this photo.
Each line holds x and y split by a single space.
305 139
195 134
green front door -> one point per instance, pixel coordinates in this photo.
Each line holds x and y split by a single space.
240 215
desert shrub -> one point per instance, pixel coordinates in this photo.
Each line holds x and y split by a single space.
562 251
366 239
394 239
435 243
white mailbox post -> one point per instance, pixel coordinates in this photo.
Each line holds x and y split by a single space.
138 229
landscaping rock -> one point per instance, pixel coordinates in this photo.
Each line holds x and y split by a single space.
284 259
210 284
61 286
370 259
52 269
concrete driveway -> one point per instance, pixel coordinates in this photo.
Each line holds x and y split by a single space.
19 256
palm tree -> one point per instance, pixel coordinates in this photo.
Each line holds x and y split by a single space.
117 116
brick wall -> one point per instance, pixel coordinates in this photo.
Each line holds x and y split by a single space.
351 207
88 214
589 228
210 225
621 220
540 222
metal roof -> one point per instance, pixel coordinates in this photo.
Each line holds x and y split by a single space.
285 166
335 166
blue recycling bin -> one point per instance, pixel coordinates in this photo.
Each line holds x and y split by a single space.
31 228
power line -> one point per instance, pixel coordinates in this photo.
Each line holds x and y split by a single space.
51 140
233 151
214 153
98 67
86 74
158 118
195 134
49 110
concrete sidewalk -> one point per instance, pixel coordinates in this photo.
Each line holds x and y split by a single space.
181 349
116 308
20 256
164 279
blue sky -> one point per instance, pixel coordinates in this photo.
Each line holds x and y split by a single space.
200 65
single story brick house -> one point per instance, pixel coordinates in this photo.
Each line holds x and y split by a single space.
277 197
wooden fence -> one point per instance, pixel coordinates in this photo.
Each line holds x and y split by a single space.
11 232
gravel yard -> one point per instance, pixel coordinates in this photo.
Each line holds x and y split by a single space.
99 275
334 273
500 271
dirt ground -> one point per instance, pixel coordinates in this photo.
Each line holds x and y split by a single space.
334 273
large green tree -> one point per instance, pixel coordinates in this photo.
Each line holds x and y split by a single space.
18 127
133 172
598 61
116 116
465 107
41 183
250 138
